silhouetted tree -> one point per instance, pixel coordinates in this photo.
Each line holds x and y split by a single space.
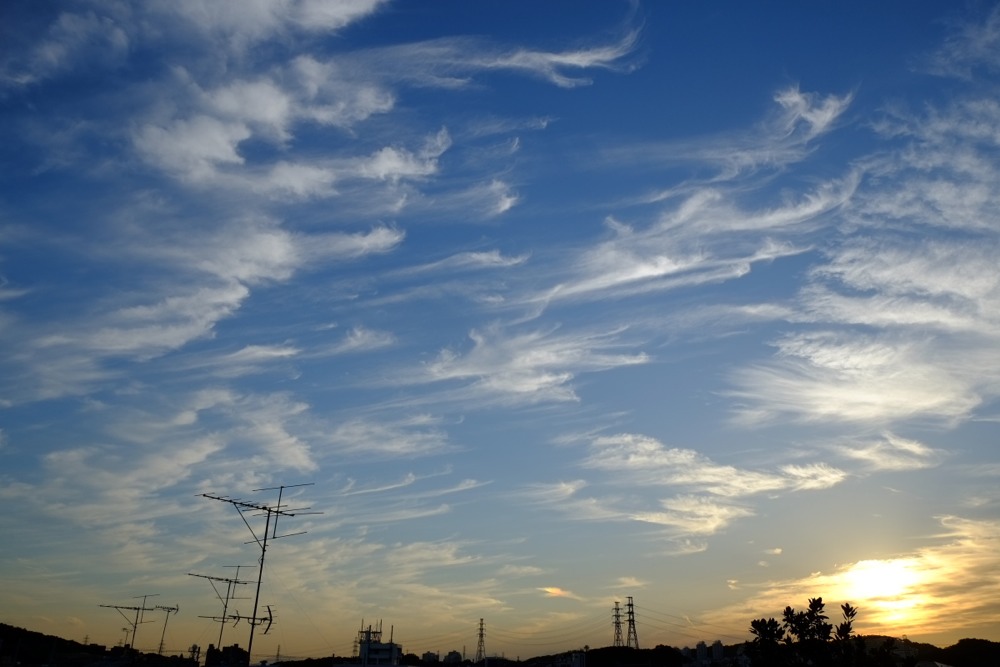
807 638
764 649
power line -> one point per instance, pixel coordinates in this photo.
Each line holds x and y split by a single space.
689 625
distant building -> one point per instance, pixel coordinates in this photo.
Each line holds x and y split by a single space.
373 651
228 656
453 658
718 651
430 657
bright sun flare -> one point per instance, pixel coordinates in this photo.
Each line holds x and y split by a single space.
879 579
889 590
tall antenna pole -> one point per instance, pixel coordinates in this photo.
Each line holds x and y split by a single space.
169 610
230 589
633 639
618 626
270 532
481 648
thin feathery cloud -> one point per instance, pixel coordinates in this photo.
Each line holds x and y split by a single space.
250 359
557 592
706 238
552 66
360 339
892 452
565 498
644 460
72 39
784 138
825 376
420 435
453 62
692 515
527 367
971 46
490 259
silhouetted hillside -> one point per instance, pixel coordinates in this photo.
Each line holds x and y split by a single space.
966 653
26 648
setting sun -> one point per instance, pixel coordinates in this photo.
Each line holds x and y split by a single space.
889 590
879 579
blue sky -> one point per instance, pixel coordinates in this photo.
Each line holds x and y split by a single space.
697 303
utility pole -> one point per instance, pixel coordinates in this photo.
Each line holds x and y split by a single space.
481 648
139 615
618 626
633 639
271 513
231 585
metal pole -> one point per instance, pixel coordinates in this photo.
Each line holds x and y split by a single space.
260 577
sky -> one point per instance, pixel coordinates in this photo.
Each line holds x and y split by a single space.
545 305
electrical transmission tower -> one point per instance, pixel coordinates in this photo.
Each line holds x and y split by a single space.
618 626
231 585
139 615
481 647
271 513
633 639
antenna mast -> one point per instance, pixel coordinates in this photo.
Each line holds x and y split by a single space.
139 614
270 512
169 610
230 590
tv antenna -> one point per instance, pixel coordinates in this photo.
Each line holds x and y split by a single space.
139 614
231 585
252 621
269 512
169 610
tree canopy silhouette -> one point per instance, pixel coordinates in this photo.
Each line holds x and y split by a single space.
807 637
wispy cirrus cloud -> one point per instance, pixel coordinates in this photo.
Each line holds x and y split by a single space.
850 377
557 592
892 452
971 46
528 367
707 237
362 339
418 435
890 325
644 460
786 136
453 62
695 515
697 497
72 38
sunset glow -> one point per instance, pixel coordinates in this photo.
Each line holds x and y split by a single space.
515 310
